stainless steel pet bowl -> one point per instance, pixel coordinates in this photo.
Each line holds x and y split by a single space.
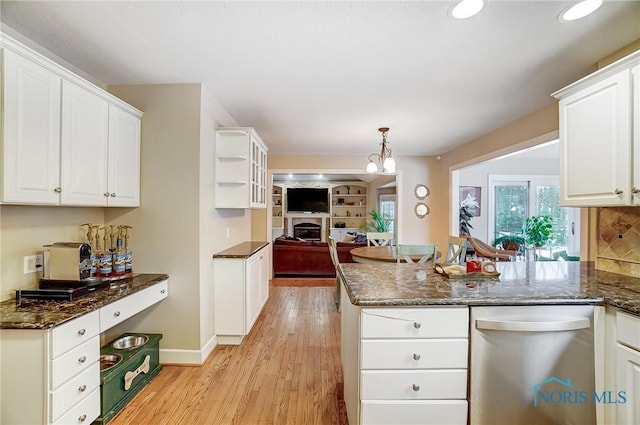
131 341
107 361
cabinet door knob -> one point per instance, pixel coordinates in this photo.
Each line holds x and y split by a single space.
82 359
82 388
106 194
82 418
116 314
82 332
416 356
57 189
416 325
415 387
635 190
618 192
162 291
113 194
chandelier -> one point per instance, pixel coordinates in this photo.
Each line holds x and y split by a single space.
383 159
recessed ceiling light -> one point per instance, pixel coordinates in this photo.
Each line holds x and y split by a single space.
467 8
580 10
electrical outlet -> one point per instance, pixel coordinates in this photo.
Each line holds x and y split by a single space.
30 262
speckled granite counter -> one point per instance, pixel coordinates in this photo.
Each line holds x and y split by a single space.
242 250
45 314
520 283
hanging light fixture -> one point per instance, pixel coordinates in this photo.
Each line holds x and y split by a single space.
383 159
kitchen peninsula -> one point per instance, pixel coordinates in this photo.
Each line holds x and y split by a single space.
409 336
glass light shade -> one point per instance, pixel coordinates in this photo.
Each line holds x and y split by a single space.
372 167
467 8
389 165
580 10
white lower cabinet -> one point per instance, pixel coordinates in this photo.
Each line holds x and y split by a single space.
53 376
405 365
241 290
628 368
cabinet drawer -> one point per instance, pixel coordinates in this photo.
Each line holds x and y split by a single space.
414 354
119 311
74 333
74 361
75 390
414 384
433 322
85 412
449 412
628 329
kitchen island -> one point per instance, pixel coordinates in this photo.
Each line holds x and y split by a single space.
408 332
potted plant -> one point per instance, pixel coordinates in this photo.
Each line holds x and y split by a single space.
466 214
380 223
509 242
538 230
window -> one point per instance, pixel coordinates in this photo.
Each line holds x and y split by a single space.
388 210
514 198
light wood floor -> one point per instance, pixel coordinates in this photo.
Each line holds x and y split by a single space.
285 372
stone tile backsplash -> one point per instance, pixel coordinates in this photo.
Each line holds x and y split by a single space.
619 240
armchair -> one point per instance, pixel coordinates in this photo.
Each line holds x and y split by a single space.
485 250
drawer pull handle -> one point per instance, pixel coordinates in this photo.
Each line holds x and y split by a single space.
162 291
82 418
82 359
116 314
82 388
415 387
416 356
417 325
82 332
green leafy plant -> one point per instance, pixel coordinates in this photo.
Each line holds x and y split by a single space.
538 230
510 242
378 223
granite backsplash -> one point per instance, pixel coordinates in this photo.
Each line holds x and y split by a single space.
619 240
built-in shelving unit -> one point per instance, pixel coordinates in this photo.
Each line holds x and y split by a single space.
277 211
348 206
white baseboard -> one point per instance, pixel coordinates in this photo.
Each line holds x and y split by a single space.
188 357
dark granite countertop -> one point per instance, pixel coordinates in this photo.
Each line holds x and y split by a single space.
242 250
45 314
520 283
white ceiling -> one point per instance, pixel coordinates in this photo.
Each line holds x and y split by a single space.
320 77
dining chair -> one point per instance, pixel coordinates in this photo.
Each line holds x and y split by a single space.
379 238
456 252
407 253
333 250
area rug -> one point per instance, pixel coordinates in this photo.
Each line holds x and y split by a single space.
342 408
303 281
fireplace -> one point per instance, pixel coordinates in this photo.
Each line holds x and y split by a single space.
308 231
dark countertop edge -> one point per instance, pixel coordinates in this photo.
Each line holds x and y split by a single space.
241 250
87 309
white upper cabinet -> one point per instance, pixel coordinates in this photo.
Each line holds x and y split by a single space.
64 140
600 137
31 132
240 168
84 148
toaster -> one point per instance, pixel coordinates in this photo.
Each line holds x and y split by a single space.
70 261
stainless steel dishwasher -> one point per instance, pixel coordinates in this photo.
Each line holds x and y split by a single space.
532 365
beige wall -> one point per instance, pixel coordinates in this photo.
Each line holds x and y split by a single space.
23 231
176 230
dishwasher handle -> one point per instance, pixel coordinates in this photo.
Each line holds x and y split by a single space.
569 324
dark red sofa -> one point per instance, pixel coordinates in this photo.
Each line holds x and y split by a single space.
308 258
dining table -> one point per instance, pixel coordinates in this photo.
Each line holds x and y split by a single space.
376 254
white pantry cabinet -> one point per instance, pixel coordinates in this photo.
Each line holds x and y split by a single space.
64 140
240 169
600 137
628 368
405 364
241 290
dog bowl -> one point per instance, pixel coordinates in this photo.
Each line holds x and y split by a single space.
130 341
107 361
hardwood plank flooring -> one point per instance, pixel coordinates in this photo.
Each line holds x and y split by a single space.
286 371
